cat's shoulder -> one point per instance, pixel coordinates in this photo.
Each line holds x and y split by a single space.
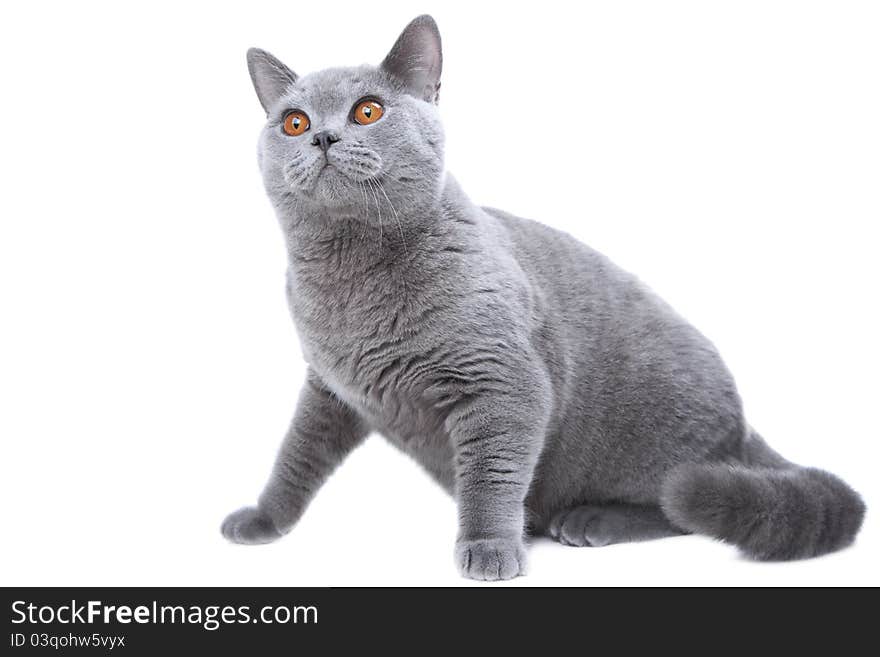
537 237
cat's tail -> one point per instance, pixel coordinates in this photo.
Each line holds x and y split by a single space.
768 507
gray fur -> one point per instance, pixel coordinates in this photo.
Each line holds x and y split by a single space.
546 389
594 525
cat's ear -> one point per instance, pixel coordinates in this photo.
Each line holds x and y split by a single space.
270 77
417 58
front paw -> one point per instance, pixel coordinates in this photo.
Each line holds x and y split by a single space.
491 559
249 526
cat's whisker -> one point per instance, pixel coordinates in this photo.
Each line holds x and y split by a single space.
396 216
363 189
378 209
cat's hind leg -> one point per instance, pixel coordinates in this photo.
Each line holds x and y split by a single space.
595 525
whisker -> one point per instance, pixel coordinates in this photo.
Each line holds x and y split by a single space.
378 209
363 189
396 216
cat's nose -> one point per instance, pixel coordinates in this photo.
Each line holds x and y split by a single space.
325 139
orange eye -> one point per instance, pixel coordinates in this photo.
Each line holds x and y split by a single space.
367 112
296 123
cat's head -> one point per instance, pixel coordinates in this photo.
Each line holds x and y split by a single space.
354 138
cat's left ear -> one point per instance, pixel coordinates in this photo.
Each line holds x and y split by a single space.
417 58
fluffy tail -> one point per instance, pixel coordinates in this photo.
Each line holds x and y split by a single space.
769 508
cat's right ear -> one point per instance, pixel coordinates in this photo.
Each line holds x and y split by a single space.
271 78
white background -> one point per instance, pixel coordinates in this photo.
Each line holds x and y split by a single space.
728 153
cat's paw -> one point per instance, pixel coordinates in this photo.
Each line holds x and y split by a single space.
581 526
249 526
491 559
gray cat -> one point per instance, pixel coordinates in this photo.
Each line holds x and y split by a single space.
549 391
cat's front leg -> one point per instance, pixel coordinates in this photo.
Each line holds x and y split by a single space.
497 438
323 432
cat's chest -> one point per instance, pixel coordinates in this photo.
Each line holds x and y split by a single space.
359 338
339 318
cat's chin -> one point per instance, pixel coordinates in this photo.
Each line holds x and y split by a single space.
331 188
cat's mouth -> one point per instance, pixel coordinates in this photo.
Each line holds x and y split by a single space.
326 182
328 171
332 176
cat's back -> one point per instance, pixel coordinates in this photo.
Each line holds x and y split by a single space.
573 277
596 317
584 285
588 299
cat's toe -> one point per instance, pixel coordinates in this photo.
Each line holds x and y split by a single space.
579 527
249 526
491 559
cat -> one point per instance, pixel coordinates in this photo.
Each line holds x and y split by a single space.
550 392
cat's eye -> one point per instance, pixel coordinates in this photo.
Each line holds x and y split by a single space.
296 123
367 112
